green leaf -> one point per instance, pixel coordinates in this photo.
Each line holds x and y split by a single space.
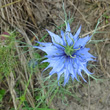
38 96
2 93
22 98
37 55
43 65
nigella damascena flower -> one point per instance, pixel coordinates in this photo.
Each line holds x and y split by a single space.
67 55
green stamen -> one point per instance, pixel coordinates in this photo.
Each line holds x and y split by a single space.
72 56
69 50
71 38
58 43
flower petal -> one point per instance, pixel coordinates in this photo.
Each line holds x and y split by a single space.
81 42
51 50
68 28
57 66
83 54
76 36
55 38
59 74
83 67
66 77
62 34
68 38
73 69
57 63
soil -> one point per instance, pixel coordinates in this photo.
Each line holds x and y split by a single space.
94 97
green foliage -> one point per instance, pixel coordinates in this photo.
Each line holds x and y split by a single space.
39 58
7 61
22 98
37 55
107 17
2 93
44 65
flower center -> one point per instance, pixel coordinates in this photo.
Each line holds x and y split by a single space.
69 50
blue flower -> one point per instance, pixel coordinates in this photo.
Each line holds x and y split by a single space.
67 55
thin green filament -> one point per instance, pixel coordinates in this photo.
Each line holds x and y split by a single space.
70 38
69 50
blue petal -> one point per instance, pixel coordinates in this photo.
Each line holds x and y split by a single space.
57 63
66 38
62 34
72 69
66 76
51 50
83 50
58 66
55 38
82 42
79 72
53 59
83 54
60 73
83 67
86 70
79 68
69 36
68 28
76 36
